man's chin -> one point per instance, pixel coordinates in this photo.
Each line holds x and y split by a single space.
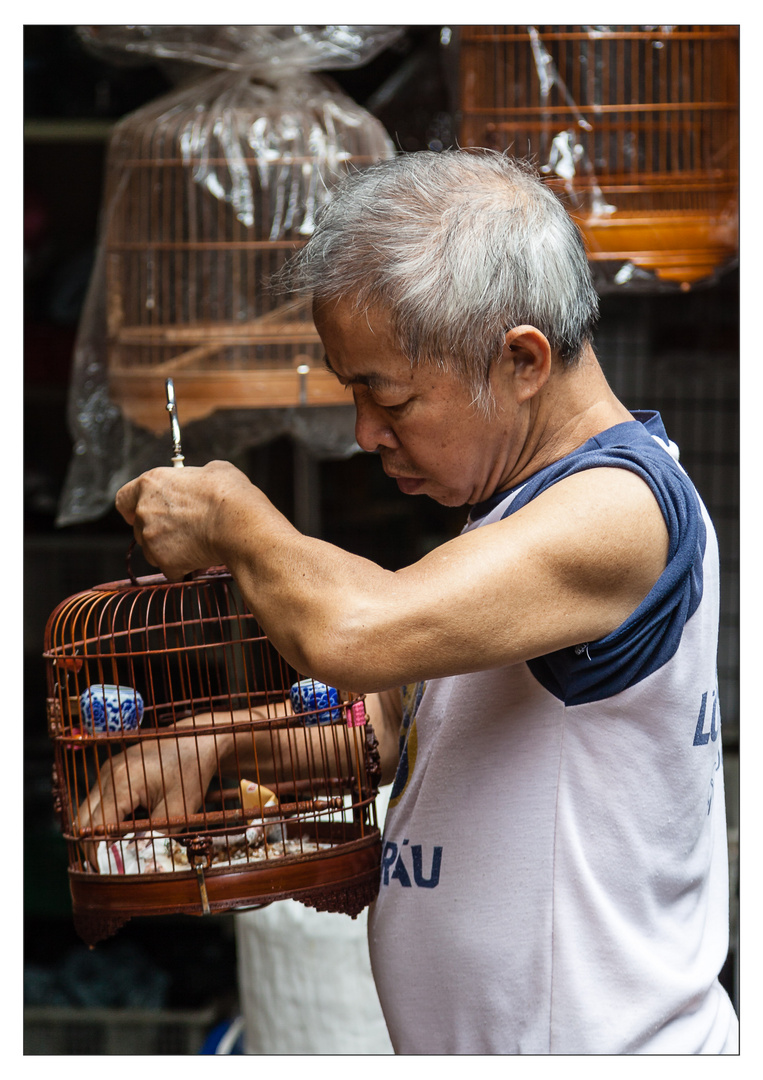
410 485
415 485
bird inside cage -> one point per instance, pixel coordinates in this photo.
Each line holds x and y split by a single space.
245 782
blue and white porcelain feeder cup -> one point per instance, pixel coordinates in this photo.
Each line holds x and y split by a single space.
107 709
318 702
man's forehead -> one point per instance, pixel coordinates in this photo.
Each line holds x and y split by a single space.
349 319
360 346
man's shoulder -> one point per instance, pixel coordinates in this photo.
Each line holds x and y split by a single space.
625 448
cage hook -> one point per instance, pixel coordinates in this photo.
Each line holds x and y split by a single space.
178 459
303 371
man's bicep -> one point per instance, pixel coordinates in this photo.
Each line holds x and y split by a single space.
581 558
569 567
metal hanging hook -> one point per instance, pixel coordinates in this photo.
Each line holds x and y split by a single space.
178 459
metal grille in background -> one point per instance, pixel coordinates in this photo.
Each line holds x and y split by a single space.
697 393
673 353
74 1031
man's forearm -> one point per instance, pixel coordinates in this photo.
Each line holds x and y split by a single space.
320 606
307 594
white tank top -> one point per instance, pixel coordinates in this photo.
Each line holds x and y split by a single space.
554 870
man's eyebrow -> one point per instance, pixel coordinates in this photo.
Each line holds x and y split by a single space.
374 380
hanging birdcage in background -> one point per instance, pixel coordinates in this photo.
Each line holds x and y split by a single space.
637 126
208 192
275 797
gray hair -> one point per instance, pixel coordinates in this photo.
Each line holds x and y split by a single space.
459 247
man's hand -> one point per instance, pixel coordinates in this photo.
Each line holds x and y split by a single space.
174 514
168 777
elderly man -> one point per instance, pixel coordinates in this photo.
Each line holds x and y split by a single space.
554 870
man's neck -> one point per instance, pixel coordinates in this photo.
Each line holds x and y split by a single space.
575 404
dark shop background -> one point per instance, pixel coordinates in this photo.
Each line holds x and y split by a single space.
666 348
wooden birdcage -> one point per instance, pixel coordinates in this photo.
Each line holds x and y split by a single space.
288 809
207 194
639 124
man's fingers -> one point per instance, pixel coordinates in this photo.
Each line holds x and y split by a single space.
126 501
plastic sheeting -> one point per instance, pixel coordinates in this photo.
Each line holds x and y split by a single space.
243 48
259 142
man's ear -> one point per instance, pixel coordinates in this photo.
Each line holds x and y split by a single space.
527 356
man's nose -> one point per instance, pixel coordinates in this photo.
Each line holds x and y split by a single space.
372 430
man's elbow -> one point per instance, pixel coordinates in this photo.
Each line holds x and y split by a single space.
346 655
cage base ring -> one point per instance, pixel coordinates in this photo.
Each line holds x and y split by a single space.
343 879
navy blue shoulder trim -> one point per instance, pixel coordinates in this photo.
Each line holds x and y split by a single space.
650 636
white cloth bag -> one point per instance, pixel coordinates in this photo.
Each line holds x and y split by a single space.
305 982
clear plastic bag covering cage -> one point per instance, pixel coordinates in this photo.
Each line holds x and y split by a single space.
303 48
208 190
637 127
